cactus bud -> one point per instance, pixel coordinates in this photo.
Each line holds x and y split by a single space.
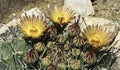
89 57
62 39
75 64
46 61
74 29
31 56
40 46
76 52
61 66
52 31
50 44
78 41
67 46
52 67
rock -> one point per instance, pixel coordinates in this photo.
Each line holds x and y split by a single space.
117 46
13 23
83 7
3 29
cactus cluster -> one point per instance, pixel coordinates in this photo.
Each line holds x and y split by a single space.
59 44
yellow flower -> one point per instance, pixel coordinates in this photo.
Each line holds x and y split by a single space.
61 15
32 26
97 36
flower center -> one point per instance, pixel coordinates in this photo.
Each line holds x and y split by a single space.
61 19
95 41
33 30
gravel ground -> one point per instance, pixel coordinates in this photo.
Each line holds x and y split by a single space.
109 9
7 7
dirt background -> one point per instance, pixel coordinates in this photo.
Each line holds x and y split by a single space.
7 7
109 9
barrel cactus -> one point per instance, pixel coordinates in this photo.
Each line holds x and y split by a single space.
59 44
